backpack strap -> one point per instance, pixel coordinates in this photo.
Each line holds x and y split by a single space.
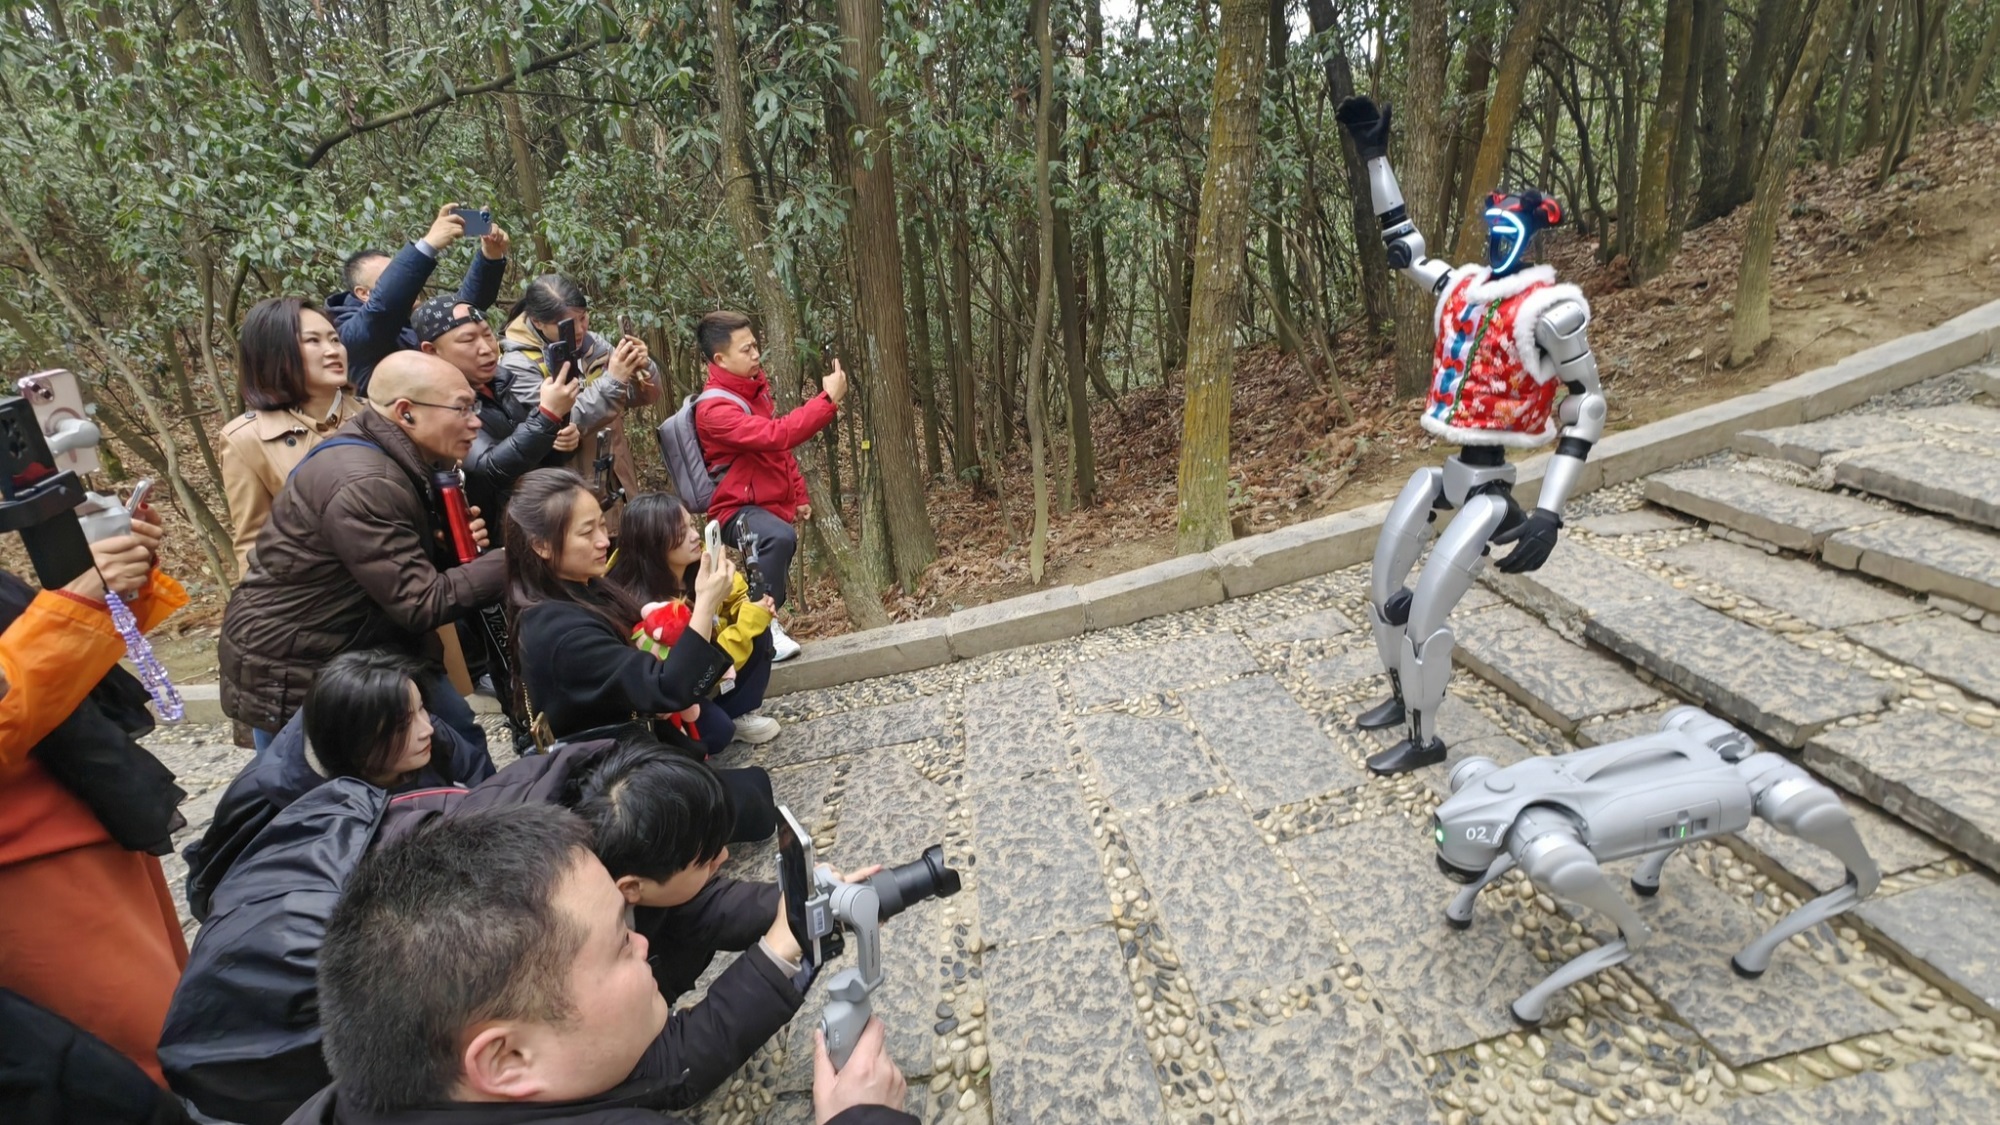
339 439
718 392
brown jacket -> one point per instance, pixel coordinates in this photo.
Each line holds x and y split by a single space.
259 450
349 560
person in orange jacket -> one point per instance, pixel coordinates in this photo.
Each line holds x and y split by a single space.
101 945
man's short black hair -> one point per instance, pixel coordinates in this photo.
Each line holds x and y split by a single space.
713 332
653 812
452 926
350 270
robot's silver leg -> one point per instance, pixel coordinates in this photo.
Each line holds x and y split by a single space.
1459 914
1404 533
1427 642
1554 857
1646 877
1796 803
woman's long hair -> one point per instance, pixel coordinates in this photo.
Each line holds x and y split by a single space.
540 512
650 526
270 370
358 709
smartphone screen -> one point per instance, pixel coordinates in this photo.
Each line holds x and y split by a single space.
795 864
477 222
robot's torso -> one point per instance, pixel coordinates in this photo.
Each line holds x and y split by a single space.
1491 381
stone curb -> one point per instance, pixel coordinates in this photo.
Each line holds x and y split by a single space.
1257 563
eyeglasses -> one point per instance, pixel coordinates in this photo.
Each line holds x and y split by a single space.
463 411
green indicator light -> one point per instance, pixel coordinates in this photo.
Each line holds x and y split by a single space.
1440 834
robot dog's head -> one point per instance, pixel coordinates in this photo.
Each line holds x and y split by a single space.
1512 222
1469 832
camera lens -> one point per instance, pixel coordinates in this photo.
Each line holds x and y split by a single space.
899 888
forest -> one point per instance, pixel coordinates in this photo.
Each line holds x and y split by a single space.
1022 225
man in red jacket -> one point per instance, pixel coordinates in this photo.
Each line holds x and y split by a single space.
760 490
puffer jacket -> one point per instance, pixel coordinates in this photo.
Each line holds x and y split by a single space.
601 407
515 437
350 559
373 328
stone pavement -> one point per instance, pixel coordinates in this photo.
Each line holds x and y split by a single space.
1186 900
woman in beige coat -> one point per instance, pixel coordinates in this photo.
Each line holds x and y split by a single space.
293 371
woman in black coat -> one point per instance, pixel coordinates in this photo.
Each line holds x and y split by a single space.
573 636
366 716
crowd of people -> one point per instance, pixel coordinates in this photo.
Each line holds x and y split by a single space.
392 929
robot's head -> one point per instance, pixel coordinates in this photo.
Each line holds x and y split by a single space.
1512 222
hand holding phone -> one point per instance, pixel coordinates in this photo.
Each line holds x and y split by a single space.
711 537
139 492
478 221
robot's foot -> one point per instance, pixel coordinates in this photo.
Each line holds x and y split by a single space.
1645 890
1746 974
1407 755
1388 713
1526 1022
1458 923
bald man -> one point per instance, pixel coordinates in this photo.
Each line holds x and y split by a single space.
352 557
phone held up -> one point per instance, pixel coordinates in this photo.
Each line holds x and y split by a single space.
478 221
795 882
561 355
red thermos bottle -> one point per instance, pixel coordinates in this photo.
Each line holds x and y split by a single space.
450 487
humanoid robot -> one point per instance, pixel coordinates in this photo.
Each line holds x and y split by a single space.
1507 336
1558 818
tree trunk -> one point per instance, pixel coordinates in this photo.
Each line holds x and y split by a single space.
1751 325
1218 277
1076 375
921 360
1850 64
1517 59
1038 341
256 46
861 597
1656 239
1377 287
965 421
527 173
1418 168
1896 146
1274 235
934 256
1881 49
879 267
378 30
1467 127
1982 67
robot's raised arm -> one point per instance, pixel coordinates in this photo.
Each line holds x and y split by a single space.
1405 242
1562 334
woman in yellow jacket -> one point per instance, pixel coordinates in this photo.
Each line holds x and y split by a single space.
659 547
88 929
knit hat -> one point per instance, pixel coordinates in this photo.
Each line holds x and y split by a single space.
439 315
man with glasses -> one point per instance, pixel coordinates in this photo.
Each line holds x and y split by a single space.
356 554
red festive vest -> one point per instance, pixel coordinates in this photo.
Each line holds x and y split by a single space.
1490 382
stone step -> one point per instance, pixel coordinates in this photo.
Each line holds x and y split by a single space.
1960 425
1818 595
1738 671
1963 485
1986 380
1797 519
1577 582
1808 444
1944 648
1927 769
1925 554
1562 683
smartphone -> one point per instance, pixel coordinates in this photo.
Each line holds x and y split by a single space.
139 492
805 910
712 538
565 348
478 222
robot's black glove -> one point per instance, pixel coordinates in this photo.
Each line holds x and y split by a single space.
1536 537
1368 125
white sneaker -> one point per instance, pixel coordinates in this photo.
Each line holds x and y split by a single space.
783 647
756 729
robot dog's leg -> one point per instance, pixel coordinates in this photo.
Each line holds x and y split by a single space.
1404 533
1646 877
1796 803
1459 914
1427 641
1552 854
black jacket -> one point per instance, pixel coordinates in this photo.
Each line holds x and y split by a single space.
630 1103
514 438
725 915
286 770
581 673
373 328
53 1072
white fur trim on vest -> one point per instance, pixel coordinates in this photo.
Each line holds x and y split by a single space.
1467 435
1529 314
1484 289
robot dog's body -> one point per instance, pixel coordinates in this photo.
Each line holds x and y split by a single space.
1508 336
1558 818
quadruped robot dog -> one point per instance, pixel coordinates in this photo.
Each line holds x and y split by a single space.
1559 818
1507 337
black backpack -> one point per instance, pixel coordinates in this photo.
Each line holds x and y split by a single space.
242 1038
